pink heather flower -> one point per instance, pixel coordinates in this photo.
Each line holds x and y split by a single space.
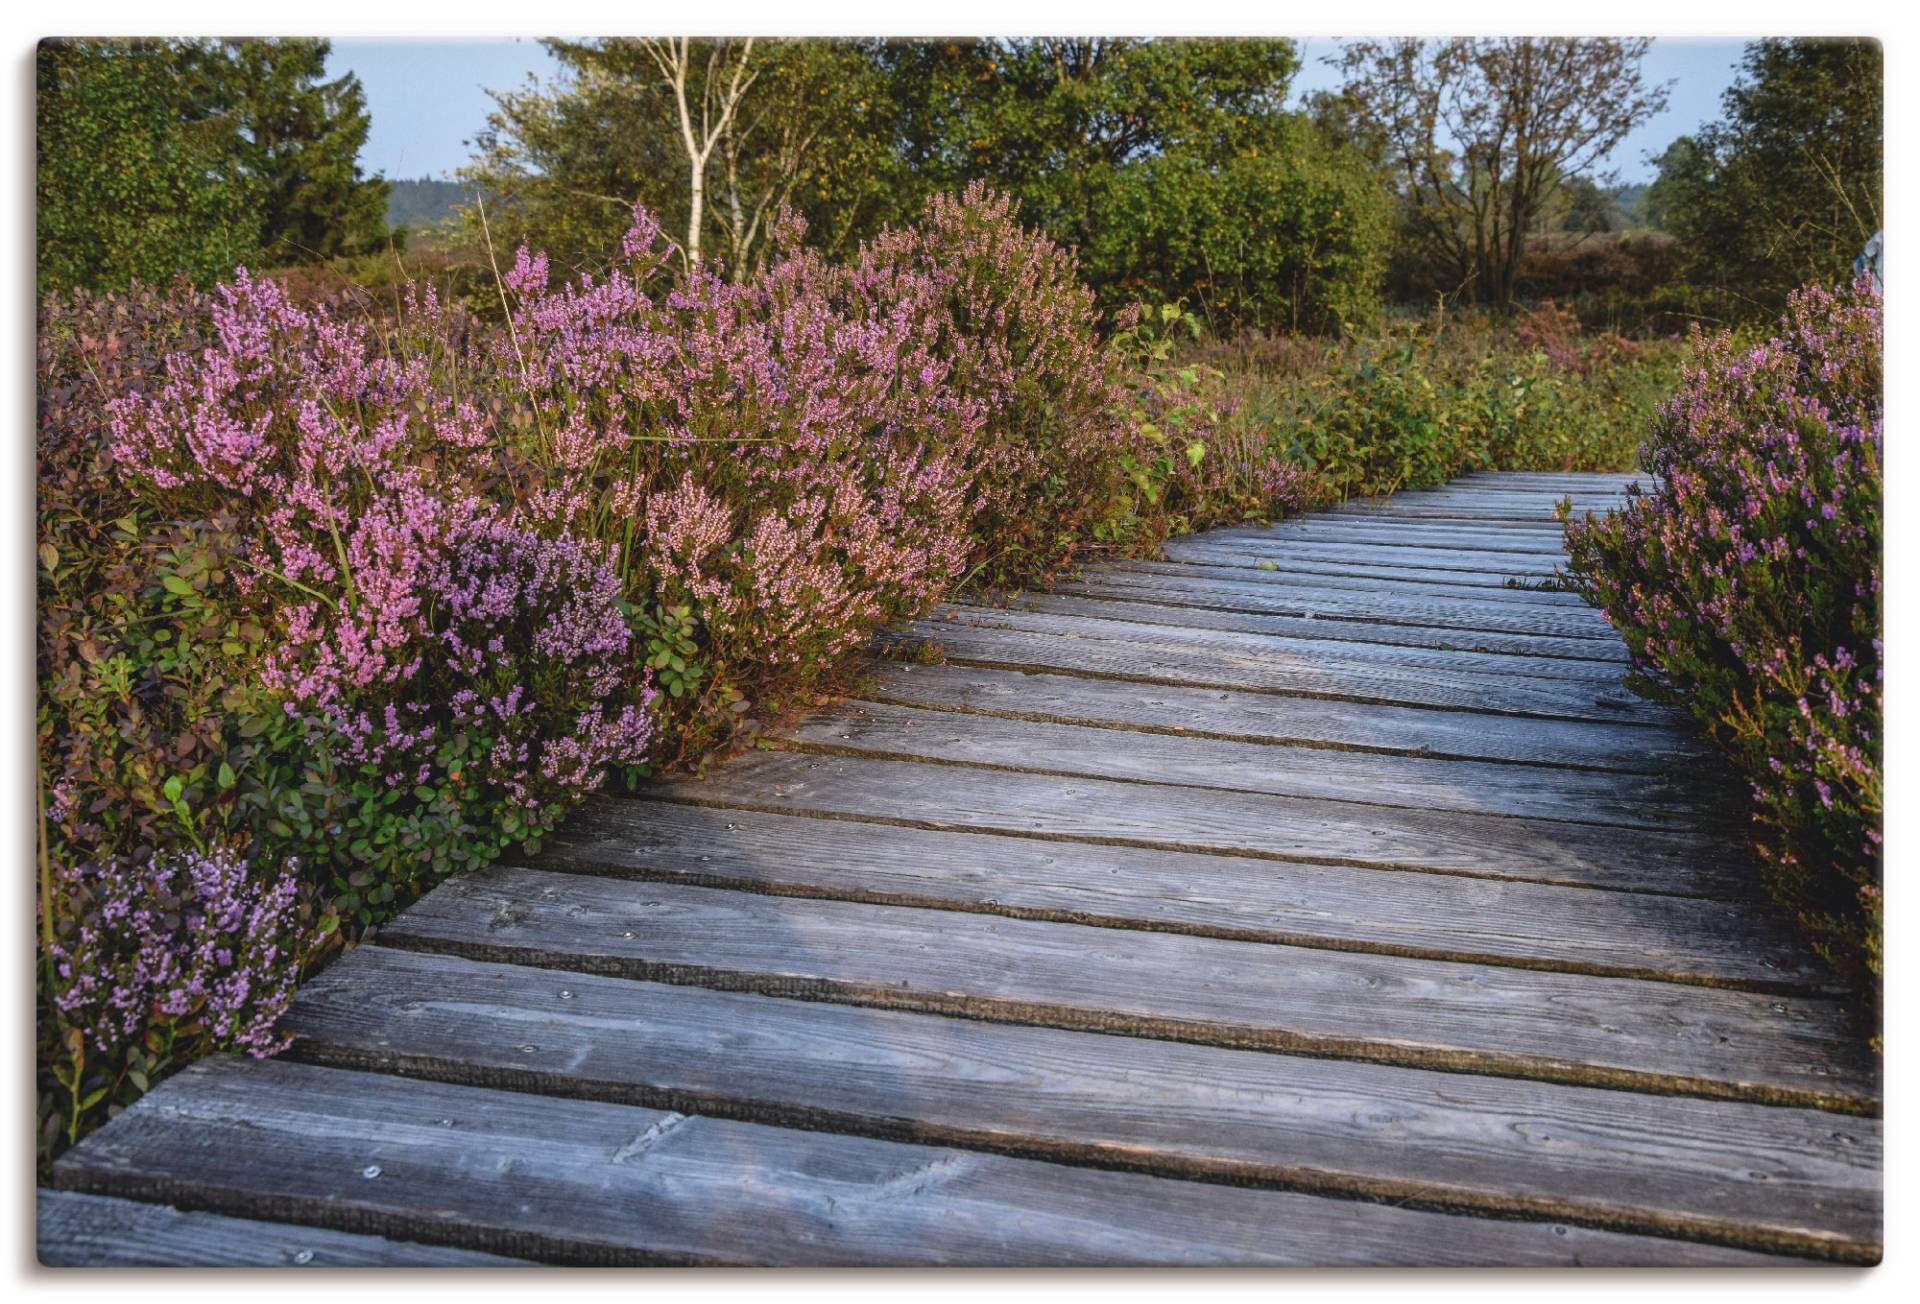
186 937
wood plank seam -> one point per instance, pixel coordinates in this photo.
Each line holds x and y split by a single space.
1544 1068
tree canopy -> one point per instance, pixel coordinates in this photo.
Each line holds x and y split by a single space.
1480 134
158 157
1786 187
1172 167
567 158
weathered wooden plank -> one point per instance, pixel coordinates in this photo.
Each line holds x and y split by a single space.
1304 559
1549 479
577 1181
1264 717
872 728
1518 508
1481 563
1136 814
96 1231
1579 1028
1520 505
1281 649
1241 594
1286 562
1681 939
1532 528
1518 514
1389 584
1546 648
1480 499
1147 659
1531 517
1362 534
1765 1177
1462 515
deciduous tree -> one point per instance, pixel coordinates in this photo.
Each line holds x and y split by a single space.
1786 188
808 128
1480 133
157 157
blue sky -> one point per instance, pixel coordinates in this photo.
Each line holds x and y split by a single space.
429 97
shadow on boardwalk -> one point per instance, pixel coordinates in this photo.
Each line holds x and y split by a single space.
1313 896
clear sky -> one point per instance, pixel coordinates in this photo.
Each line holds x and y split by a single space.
429 97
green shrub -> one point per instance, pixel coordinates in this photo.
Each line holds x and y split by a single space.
1419 402
1292 236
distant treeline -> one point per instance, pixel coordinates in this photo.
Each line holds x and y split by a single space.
1458 171
423 204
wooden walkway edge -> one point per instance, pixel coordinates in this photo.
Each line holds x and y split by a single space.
1316 895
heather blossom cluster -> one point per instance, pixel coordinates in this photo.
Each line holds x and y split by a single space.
1747 582
391 591
182 940
472 670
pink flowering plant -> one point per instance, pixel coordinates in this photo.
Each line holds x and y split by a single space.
1021 337
337 601
774 467
163 960
1747 585
456 679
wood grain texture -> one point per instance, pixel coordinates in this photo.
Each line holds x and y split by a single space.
1287 561
1610 657
1464 510
573 1181
1358 533
1252 593
1281 649
1390 581
1262 717
1181 819
1260 547
1556 480
1648 1164
1300 559
1136 653
95 1231
1489 920
1472 1018
899 732
1435 517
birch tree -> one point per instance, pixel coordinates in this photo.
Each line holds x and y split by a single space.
707 94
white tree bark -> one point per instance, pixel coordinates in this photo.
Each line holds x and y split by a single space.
673 56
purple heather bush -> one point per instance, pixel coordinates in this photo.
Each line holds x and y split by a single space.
1022 340
159 962
189 941
1747 585
457 678
369 596
775 468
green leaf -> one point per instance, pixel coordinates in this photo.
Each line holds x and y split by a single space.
173 788
174 584
227 777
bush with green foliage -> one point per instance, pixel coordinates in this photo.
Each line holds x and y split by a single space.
1422 401
1746 583
1785 189
1289 234
164 157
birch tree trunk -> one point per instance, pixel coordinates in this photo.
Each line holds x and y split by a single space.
717 106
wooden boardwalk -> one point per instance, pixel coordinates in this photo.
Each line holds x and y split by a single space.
1313 896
